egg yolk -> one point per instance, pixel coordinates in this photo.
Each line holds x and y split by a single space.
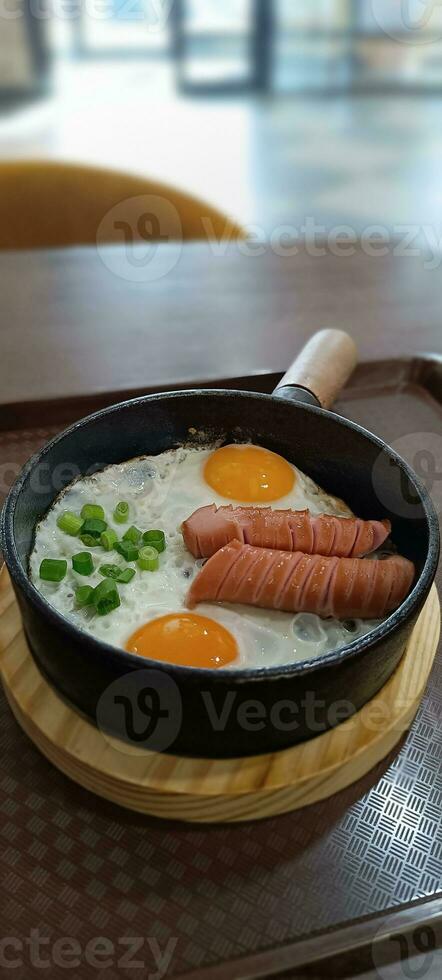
186 639
248 474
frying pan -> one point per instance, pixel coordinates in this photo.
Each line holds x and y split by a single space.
222 713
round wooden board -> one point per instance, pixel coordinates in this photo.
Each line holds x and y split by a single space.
207 790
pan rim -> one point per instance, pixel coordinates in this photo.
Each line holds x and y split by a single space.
410 607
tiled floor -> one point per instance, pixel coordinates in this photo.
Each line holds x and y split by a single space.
355 161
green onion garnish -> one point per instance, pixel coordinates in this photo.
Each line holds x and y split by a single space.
126 575
110 571
84 595
69 523
91 531
127 550
118 573
53 569
132 534
89 541
121 512
94 526
108 539
156 539
89 511
148 559
82 563
106 597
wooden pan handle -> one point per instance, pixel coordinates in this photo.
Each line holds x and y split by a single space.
323 366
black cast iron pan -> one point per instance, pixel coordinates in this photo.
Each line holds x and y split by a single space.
227 713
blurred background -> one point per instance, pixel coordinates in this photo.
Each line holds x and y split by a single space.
273 110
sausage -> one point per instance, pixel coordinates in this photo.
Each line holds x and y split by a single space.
296 582
210 528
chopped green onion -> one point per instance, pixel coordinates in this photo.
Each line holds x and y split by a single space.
94 526
106 597
126 575
89 540
132 534
148 559
91 531
108 539
110 571
156 539
121 512
89 511
69 523
118 573
53 569
127 550
82 563
84 595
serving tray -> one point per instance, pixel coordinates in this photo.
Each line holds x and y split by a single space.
217 790
254 899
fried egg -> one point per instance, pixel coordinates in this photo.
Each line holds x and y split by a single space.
152 619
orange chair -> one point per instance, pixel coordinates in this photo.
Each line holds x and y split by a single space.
48 204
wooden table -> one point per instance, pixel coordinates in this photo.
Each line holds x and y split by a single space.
71 327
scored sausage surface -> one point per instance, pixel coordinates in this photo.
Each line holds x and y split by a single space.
296 582
209 528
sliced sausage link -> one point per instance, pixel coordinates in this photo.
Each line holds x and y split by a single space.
296 582
210 528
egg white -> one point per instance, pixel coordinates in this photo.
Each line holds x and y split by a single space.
162 491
